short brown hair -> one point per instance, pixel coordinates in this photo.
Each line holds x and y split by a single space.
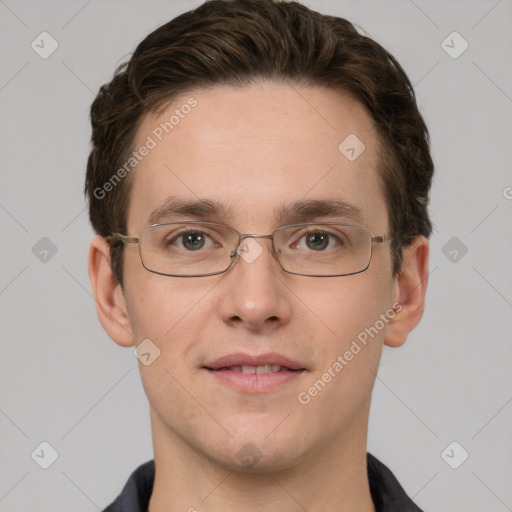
237 42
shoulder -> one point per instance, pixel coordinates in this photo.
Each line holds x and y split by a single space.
137 491
387 493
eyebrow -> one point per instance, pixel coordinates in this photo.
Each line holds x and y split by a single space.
301 210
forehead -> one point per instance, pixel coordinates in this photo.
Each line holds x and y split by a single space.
255 155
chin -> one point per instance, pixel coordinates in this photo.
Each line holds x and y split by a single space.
257 454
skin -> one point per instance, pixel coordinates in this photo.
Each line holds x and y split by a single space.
255 148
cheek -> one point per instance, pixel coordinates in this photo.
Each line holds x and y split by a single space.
354 321
172 317
351 349
159 306
349 304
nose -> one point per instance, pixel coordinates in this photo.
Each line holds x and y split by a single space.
245 245
253 293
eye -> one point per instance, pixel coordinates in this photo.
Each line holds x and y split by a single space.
320 241
190 240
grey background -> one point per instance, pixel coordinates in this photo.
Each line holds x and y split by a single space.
62 380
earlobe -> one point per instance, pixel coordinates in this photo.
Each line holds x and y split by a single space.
108 295
411 289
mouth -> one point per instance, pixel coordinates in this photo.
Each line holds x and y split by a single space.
260 369
255 374
271 362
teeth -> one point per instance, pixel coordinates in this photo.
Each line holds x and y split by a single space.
264 368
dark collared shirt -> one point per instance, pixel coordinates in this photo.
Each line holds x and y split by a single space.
387 493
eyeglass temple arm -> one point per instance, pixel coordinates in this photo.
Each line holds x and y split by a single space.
125 239
382 238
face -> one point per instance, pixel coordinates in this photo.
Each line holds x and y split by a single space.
257 149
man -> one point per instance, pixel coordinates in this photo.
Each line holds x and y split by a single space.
259 183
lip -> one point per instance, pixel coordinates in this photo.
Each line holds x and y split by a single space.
240 359
254 382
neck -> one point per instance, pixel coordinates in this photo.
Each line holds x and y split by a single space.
332 477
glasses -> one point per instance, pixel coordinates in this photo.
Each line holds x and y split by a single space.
195 249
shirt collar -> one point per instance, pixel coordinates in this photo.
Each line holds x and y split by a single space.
387 493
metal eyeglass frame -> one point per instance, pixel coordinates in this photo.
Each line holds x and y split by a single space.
125 239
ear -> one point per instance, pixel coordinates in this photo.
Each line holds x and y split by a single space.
411 287
108 294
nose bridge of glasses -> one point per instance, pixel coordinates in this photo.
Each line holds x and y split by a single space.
250 235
